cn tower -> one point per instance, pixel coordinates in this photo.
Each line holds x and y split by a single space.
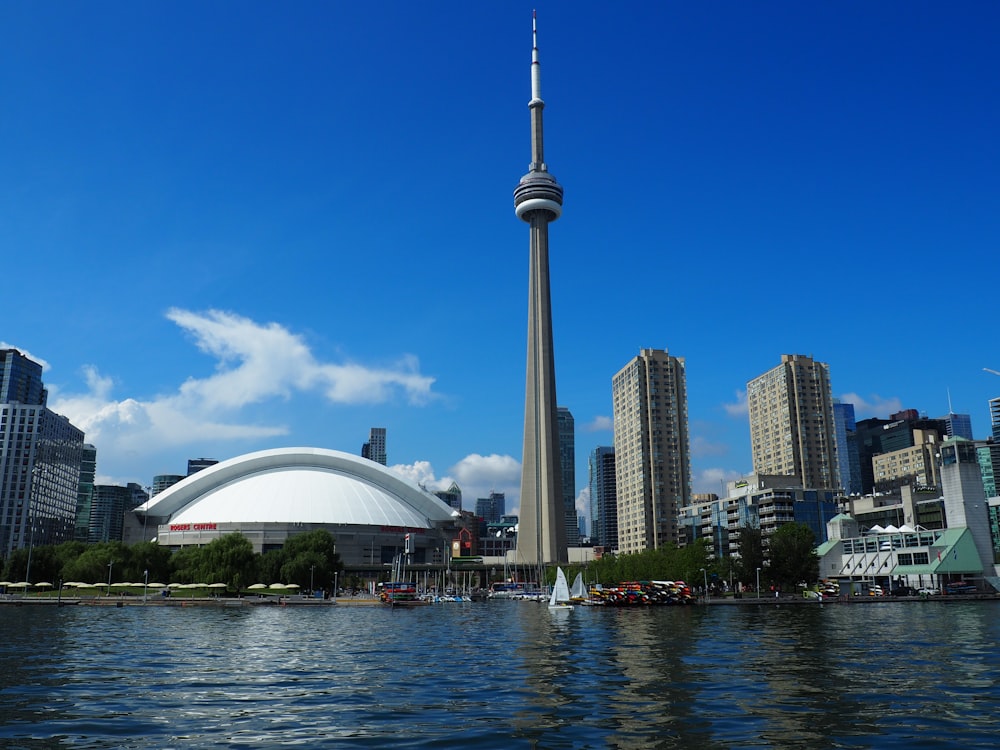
541 537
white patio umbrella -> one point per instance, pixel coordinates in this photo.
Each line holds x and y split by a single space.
257 586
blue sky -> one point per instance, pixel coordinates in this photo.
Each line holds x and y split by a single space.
233 226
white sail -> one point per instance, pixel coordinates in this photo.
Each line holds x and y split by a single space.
578 591
560 592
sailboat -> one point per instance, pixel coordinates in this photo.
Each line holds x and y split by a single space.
578 592
560 592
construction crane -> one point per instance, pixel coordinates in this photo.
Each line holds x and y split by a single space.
993 371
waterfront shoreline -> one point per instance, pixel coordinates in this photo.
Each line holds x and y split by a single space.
112 601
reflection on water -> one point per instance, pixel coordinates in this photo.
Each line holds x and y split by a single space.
501 674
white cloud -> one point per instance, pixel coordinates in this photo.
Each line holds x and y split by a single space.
713 480
271 361
738 409
421 473
254 362
873 406
583 505
702 446
600 424
475 475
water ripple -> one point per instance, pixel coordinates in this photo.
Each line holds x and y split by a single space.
500 675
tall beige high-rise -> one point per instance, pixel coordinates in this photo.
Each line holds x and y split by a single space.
652 449
791 422
541 537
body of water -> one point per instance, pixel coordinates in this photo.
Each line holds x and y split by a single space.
502 675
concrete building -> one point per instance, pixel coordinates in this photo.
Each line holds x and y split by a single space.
916 465
603 498
567 467
652 449
877 436
40 459
538 201
792 430
374 449
765 502
913 555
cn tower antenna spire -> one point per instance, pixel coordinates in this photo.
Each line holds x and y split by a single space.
536 68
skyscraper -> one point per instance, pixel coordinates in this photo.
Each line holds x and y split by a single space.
791 422
85 495
652 449
452 496
567 464
538 200
374 449
491 508
957 425
40 457
197 464
848 460
603 498
992 449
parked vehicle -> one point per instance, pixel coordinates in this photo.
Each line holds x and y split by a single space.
904 591
928 591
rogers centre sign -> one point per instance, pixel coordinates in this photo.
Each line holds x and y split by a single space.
193 527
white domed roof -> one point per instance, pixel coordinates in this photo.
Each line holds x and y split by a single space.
298 485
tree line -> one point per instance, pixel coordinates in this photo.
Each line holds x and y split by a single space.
308 559
785 558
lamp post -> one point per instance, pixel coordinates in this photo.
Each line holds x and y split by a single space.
758 583
312 570
704 575
145 584
110 563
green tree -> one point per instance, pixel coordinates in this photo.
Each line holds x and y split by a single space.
793 555
269 566
185 565
751 545
311 558
230 559
147 556
97 562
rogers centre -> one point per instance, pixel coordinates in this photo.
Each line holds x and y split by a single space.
272 495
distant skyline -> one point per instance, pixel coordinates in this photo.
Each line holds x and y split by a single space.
226 232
